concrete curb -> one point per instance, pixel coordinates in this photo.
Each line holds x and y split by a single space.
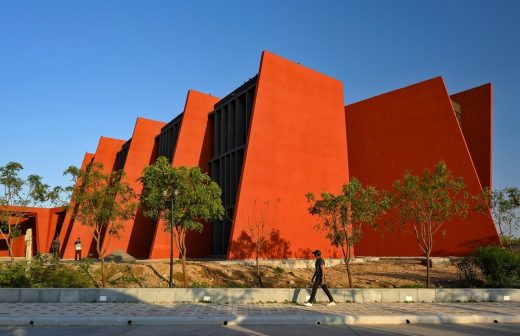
252 295
282 319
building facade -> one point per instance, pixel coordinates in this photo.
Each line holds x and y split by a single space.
285 132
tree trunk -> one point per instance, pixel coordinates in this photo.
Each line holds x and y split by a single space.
428 269
183 257
103 275
184 275
508 243
503 238
101 256
10 248
171 282
349 274
258 271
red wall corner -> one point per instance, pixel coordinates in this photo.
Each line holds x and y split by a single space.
193 148
411 129
138 233
106 154
296 144
476 120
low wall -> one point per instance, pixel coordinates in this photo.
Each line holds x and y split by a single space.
252 295
285 263
309 263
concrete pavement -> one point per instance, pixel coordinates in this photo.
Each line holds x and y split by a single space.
269 330
75 314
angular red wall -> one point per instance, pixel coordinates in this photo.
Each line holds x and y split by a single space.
476 125
46 223
296 144
68 222
137 235
192 149
43 222
411 129
105 154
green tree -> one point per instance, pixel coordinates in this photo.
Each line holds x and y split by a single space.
104 201
503 206
427 203
197 199
20 194
344 215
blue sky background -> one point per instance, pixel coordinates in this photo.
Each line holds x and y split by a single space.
71 71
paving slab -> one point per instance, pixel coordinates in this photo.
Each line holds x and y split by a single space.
63 314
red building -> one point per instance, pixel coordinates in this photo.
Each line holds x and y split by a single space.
286 132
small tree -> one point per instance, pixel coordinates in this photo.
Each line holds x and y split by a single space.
20 194
197 199
503 206
260 228
104 202
344 215
427 203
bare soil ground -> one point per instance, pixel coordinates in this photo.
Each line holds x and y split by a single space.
385 273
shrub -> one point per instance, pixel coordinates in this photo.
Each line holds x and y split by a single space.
501 267
199 284
233 284
470 273
14 276
42 272
278 270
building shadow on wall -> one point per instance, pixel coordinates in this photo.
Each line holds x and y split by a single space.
142 235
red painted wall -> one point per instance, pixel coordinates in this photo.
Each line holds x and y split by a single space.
191 149
296 144
476 106
408 130
42 221
137 235
28 221
46 225
68 222
105 154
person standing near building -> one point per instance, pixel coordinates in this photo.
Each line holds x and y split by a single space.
77 249
55 247
319 280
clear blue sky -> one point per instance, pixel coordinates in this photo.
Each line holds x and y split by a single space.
71 71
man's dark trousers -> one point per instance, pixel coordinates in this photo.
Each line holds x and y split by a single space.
317 283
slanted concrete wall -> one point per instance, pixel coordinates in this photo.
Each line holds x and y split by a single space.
253 295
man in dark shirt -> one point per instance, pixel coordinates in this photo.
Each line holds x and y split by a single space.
55 247
319 280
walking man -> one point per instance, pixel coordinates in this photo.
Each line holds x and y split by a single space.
319 280
77 249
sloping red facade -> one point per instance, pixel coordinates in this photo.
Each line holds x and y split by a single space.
408 130
476 126
297 144
68 223
105 154
192 149
137 236
285 133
